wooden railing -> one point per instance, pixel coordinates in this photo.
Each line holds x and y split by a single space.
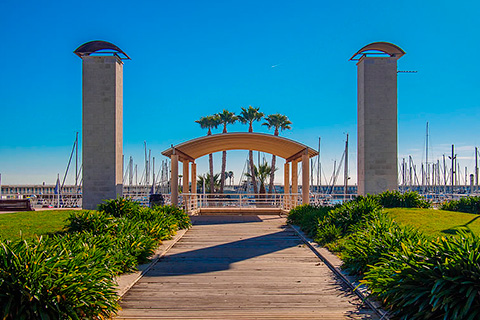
193 202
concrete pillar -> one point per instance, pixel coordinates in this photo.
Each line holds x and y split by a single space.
102 129
174 179
305 179
377 124
194 177
186 185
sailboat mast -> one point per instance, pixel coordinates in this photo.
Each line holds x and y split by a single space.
76 162
427 171
345 175
153 182
319 168
476 169
453 166
311 176
410 176
136 175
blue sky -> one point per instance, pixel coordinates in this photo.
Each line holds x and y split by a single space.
194 58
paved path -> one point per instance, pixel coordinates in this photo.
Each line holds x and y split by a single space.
241 267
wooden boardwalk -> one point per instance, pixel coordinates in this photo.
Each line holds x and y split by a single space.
241 267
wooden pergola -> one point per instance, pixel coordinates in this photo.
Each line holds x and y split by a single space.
292 151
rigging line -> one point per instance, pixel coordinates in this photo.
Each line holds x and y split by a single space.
338 171
69 161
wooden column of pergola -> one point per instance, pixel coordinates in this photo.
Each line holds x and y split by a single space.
292 151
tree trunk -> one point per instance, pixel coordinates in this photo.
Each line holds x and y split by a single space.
252 167
224 164
210 159
272 174
252 172
222 173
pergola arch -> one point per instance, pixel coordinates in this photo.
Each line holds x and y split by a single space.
290 150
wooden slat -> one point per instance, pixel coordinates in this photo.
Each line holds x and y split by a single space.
241 267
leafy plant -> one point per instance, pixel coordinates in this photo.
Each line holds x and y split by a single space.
308 217
465 204
70 275
373 239
119 207
48 280
395 199
431 280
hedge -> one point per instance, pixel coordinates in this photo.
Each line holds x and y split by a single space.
415 277
71 274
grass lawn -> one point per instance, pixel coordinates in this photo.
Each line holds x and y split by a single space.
31 223
436 222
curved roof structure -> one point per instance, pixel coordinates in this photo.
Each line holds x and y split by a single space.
88 48
279 146
385 47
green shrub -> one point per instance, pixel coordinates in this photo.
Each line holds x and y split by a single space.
86 220
47 280
395 199
374 239
465 204
415 200
327 233
120 207
431 280
183 220
308 217
70 275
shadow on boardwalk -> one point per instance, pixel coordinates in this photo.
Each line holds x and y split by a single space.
241 267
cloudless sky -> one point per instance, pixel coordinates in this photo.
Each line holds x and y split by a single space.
195 58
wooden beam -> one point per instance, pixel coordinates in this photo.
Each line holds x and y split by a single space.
183 156
286 178
186 185
194 177
294 176
305 179
297 155
174 179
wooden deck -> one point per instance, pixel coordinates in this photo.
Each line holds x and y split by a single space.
241 267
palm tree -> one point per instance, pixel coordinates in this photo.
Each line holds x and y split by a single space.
208 182
277 121
262 172
226 117
230 176
209 122
249 116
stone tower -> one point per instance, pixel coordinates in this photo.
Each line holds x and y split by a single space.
102 122
377 117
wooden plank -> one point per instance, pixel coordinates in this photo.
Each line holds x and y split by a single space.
241 267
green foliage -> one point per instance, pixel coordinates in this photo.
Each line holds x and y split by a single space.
395 199
339 221
49 280
183 220
415 276
86 220
373 239
119 207
70 275
307 217
327 233
465 204
431 280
